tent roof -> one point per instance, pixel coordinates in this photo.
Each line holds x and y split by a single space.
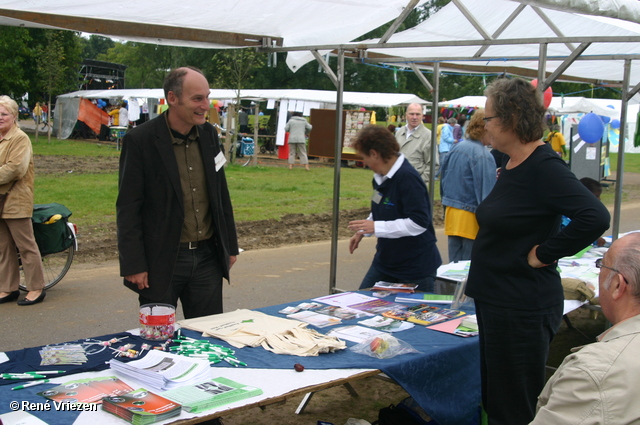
611 26
502 35
324 96
559 104
210 23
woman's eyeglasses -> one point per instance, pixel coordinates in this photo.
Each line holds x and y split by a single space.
487 119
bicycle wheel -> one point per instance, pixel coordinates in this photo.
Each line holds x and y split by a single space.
55 267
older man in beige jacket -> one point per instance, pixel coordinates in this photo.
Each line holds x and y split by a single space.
415 142
600 382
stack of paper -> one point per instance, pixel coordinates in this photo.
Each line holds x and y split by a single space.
164 371
394 287
141 407
316 319
211 394
422 297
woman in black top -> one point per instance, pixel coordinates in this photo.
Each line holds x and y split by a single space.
513 278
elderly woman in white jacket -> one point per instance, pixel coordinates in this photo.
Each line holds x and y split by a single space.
17 179
298 128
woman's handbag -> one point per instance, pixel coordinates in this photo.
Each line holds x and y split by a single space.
3 197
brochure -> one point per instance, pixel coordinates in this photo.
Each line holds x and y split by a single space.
210 394
343 313
164 371
344 299
376 306
316 319
455 327
386 324
141 407
89 390
429 315
354 333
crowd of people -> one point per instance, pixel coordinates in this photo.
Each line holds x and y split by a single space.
177 237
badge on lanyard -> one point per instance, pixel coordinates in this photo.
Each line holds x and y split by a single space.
376 197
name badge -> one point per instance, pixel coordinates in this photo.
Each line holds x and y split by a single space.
376 197
220 160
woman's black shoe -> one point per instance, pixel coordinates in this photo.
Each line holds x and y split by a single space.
12 296
26 301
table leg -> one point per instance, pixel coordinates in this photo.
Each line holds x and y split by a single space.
307 397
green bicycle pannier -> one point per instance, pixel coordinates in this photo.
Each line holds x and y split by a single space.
51 235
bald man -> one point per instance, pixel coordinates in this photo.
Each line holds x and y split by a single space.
415 142
599 383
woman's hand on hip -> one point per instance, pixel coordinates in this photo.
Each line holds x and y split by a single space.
533 260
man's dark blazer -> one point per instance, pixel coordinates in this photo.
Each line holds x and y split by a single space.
150 210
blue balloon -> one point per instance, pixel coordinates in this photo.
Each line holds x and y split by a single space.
591 128
615 123
605 119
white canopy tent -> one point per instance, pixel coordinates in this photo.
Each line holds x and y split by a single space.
575 40
572 108
67 105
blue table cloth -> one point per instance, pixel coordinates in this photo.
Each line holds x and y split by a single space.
444 378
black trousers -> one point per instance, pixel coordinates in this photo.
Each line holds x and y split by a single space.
514 347
196 282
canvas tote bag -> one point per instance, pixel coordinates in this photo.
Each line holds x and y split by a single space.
243 328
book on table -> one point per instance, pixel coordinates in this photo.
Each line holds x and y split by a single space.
430 315
210 394
141 407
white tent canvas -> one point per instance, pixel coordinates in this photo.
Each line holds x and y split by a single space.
572 109
67 104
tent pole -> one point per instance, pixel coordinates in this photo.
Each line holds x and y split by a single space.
620 170
256 128
335 220
434 130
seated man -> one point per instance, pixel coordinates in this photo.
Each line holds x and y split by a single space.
598 383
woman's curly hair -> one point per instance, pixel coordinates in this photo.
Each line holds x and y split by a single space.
519 106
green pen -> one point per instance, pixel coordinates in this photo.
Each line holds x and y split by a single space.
22 376
46 372
30 384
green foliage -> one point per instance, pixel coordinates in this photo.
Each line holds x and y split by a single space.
95 45
147 64
51 68
14 44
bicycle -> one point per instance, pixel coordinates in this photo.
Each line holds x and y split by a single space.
57 240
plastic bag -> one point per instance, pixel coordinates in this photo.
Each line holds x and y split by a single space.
383 346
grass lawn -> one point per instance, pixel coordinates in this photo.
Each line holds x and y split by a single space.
258 193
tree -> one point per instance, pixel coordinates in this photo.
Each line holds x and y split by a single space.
52 71
235 68
95 45
14 44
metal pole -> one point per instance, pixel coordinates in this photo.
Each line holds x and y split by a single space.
335 221
620 173
434 131
256 128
